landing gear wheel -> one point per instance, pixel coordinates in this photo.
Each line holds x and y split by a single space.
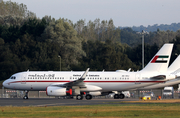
121 96
79 97
26 95
88 97
116 96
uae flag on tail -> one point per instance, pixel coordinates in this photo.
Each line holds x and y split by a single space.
160 59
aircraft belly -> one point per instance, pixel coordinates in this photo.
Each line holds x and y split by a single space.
120 86
161 85
31 86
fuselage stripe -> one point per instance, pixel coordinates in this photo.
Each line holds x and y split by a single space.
89 81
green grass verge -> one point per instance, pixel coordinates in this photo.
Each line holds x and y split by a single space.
118 110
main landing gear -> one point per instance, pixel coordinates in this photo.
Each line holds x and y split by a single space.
119 96
26 95
80 97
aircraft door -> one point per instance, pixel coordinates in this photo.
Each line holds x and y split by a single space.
23 79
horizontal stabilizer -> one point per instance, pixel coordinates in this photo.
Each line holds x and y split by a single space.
177 72
174 66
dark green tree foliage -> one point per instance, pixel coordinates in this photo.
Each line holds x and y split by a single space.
176 48
130 37
135 54
106 56
63 34
33 27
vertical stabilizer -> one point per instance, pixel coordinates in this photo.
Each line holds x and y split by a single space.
160 61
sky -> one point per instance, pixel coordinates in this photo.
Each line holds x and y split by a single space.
122 12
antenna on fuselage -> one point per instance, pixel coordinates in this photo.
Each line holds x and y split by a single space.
129 69
28 70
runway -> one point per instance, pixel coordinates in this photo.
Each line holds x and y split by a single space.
57 102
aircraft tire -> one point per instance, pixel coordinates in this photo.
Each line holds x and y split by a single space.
88 97
116 96
79 97
25 97
121 96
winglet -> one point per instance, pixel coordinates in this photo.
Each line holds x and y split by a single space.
84 75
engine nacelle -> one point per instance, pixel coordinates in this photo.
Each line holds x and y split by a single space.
55 91
95 93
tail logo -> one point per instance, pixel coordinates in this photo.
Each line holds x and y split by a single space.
160 59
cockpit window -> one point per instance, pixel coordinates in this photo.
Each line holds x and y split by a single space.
13 77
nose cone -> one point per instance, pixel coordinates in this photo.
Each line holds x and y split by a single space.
5 83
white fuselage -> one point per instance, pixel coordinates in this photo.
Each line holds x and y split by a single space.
108 81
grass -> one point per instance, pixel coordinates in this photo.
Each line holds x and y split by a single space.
152 110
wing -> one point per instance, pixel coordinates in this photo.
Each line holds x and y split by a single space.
79 82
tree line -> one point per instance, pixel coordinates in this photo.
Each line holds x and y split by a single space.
164 27
30 43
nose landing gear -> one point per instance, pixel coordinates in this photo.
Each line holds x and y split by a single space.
26 95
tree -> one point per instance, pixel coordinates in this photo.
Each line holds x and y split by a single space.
62 33
15 9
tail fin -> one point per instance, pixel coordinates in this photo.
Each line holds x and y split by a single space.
175 65
160 61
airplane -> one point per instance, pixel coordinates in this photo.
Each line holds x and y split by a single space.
78 83
174 68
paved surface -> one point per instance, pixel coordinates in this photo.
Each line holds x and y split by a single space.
57 102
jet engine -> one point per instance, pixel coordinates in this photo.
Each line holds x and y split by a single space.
57 91
91 88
